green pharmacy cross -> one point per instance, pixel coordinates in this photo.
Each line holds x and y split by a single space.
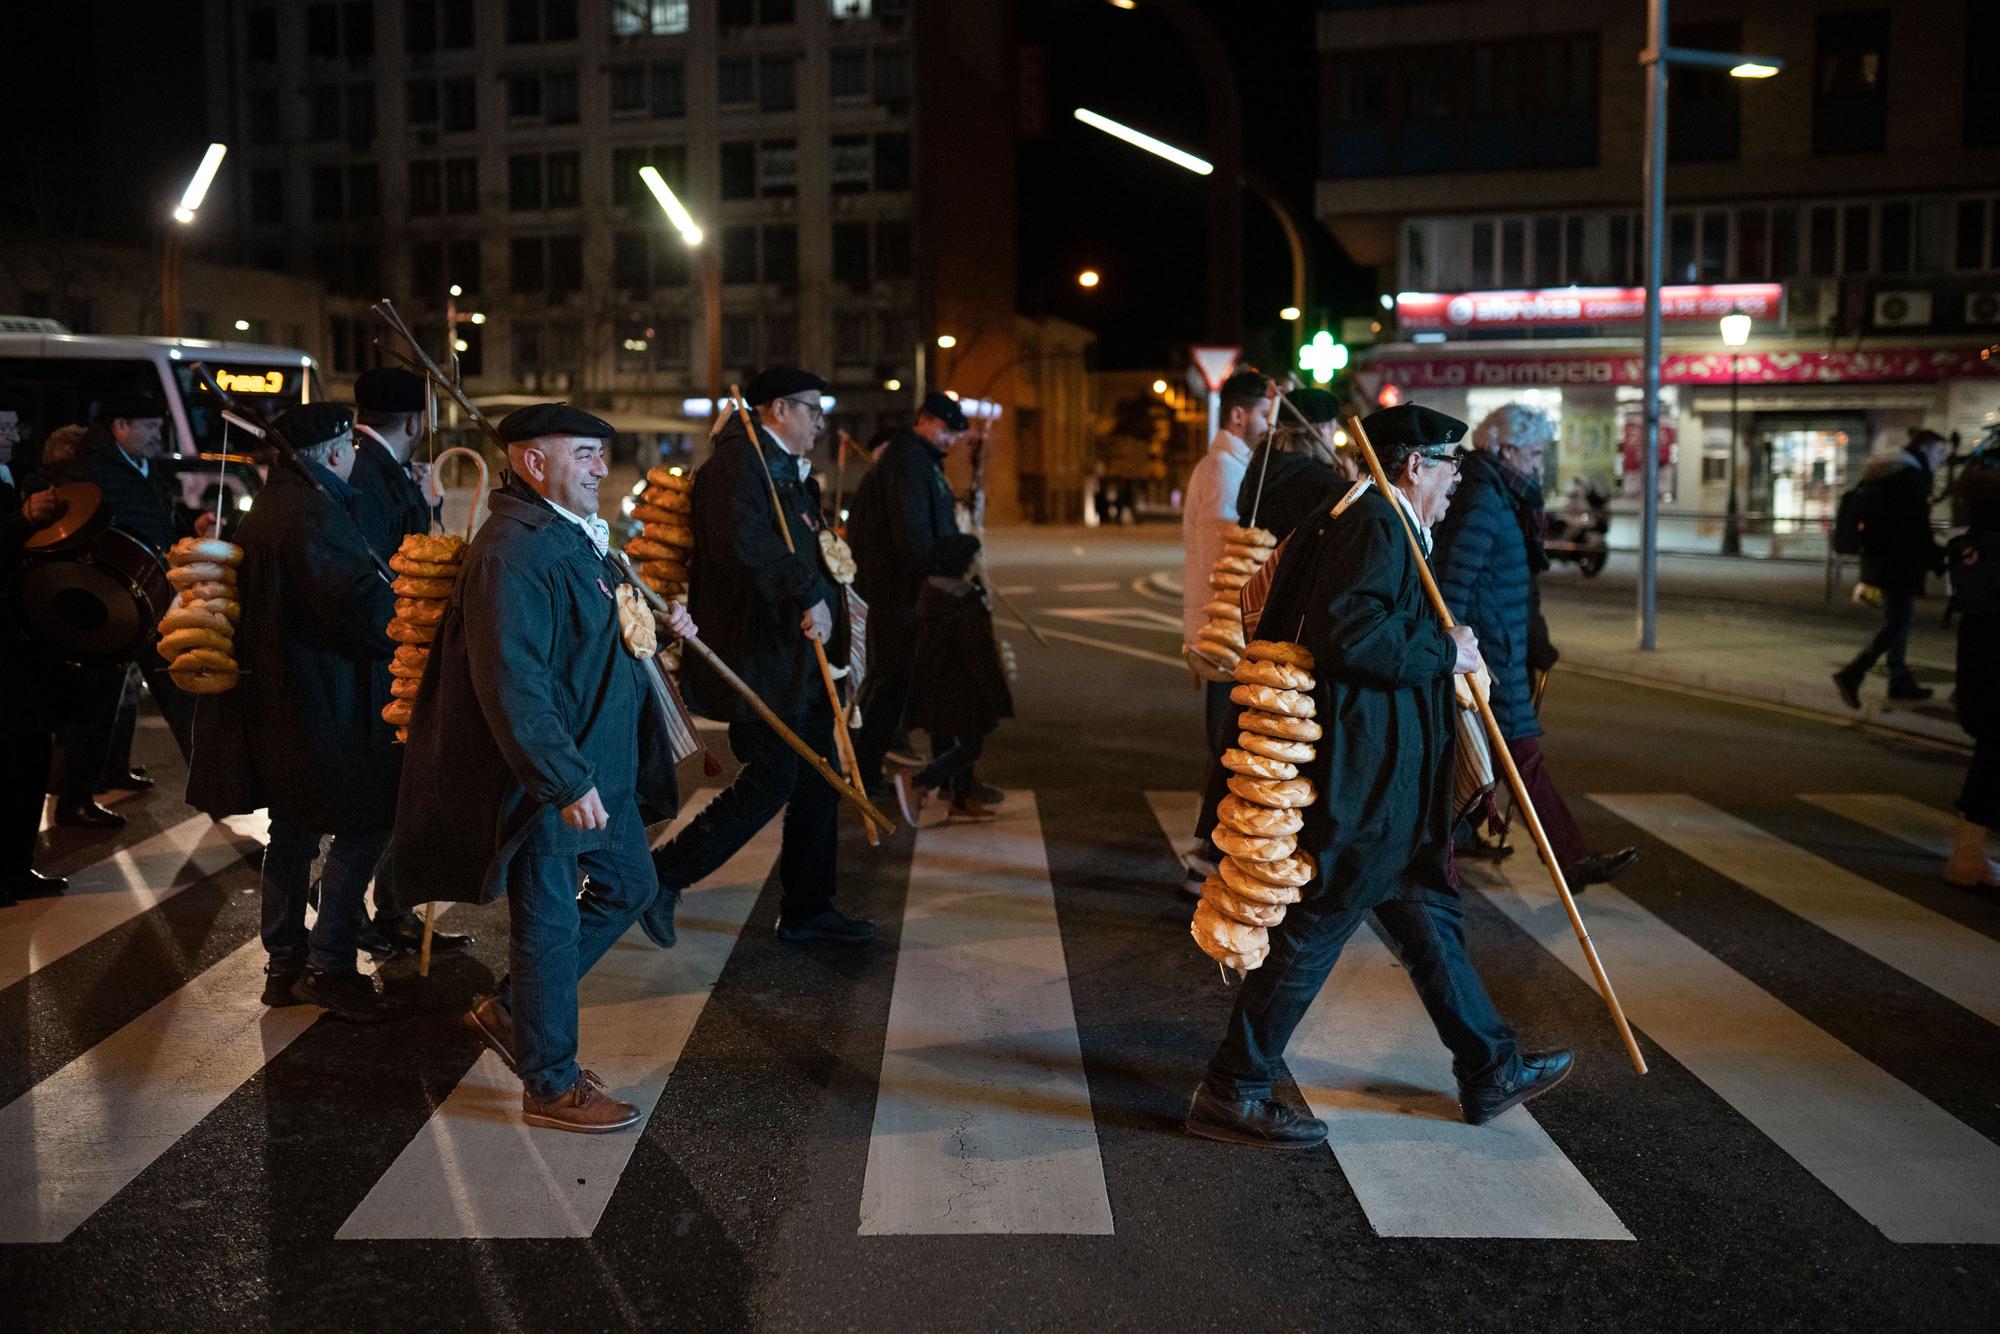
1322 357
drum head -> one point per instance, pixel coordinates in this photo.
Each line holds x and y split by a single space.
82 518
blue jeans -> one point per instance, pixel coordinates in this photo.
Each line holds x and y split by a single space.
1219 718
1428 937
1899 613
343 889
558 935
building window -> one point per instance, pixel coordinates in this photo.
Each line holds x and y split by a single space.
1969 248
735 13
461 105
328 194
524 182
739 254
364 191
262 111
649 18
1704 111
847 72
850 338
461 185
777 83
460 30
781 254
524 96
462 265
323 114
267 195
1894 238
739 340
739 171
892 249
631 263
669 88
260 36
852 164
892 162
427 266
420 31
323 32
559 93
1855 238
848 9
781 339
1982 34
530 21
426 189
850 255
420 102
627 188
892 76
564 172
527 348
527 270
1850 82
736 81
778 168
628 88
357 21
565 266
360 114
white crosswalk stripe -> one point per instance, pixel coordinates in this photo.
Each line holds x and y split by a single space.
1899 817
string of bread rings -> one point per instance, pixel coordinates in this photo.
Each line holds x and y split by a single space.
198 632
1218 645
427 567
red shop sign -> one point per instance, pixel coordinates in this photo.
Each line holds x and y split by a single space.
1779 366
1575 307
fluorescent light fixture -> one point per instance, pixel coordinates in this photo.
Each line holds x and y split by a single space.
1289 313
1145 141
1124 4
1735 330
676 213
204 176
1427 338
697 407
1751 69
1388 302
242 326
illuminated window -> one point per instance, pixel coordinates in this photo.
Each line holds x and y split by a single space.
852 164
654 18
778 168
849 9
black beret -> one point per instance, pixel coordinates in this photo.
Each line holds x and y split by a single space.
540 419
780 382
1412 426
132 404
945 408
388 389
953 555
1315 405
311 424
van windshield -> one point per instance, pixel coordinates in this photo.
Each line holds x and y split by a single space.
263 387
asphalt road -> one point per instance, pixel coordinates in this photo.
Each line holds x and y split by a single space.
973 1124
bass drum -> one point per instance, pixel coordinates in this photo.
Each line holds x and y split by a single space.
100 603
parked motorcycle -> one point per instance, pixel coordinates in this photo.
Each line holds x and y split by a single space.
1581 531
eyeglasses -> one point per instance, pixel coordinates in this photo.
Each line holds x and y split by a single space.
818 412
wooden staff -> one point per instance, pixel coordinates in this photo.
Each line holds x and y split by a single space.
1506 758
843 743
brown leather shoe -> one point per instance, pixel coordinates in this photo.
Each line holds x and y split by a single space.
495 1027
586 1108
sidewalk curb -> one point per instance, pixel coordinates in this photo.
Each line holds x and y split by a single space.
1822 701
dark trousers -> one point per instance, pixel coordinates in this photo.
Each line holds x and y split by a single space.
884 692
1979 799
557 934
90 727
950 769
772 779
24 781
1428 937
343 888
1220 720
175 705
1565 837
1899 612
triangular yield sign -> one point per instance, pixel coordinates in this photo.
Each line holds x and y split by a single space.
1215 363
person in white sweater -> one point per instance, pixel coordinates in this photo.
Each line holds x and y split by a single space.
1208 502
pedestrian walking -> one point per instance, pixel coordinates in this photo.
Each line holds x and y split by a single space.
1297 466
31 684
1897 552
958 689
537 756
1973 560
1347 588
1488 557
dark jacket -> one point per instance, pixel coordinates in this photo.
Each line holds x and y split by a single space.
392 504
141 506
25 666
746 591
1482 562
957 688
1294 487
1897 548
901 511
1347 587
302 732
529 701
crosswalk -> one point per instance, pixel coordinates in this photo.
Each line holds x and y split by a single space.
988 1118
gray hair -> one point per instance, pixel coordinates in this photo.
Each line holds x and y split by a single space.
323 451
1517 424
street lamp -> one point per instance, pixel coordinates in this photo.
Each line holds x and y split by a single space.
1657 58
947 342
708 261
1289 313
170 250
1735 333
1088 278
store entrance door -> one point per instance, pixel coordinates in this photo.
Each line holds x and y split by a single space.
1799 465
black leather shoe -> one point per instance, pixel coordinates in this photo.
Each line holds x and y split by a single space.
345 995
1263 1123
986 794
1474 847
1599 868
658 919
280 976
1540 1072
132 780
832 925
35 885
1911 693
1849 687
87 814
384 938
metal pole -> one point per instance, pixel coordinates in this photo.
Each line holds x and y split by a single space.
710 258
1214 416
1656 200
1732 528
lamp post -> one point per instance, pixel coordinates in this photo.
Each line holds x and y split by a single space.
170 251
1735 333
1657 58
710 264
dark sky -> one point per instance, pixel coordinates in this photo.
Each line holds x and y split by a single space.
1088 200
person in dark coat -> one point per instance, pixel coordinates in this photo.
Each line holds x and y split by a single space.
302 731
1488 547
1297 466
958 689
1348 589
1898 551
537 756
761 604
1973 559
901 511
28 685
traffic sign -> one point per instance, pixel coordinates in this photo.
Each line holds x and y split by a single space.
1215 363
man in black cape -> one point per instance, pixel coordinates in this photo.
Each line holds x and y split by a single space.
762 603
302 732
537 756
1348 589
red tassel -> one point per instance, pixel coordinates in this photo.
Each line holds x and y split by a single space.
710 766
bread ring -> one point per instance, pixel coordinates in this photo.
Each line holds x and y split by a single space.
407 586
1248 537
1235 565
1278 725
1279 794
672 480
661 584
411 655
1255 847
1255 555
201 660
210 593
404 632
197 682
1251 765
443 549
176 642
423 569
1223 609
1291 703
1246 962
420 611
403 687
636 625
1265 821
1276 748
402 736
649 548
1287 872
1276 675
1221 937
670 571
201 572
213 550
1277 650
405 671
666 498
1227 581
1227 632
397 712
1250 912
676 535
196 618
1242 878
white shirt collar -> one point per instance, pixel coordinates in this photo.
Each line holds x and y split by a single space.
595 528
138 464
1227 442
6 474
1355 492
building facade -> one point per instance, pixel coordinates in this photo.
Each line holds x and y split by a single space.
1850 205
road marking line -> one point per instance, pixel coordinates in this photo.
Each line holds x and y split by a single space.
83 1134
1953 960
108 893
1127 618
1901 818
1105 644
1369 1063
1111 587
983 1121
477 1170
1907 1166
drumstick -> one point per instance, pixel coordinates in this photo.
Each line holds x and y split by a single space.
1522 801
